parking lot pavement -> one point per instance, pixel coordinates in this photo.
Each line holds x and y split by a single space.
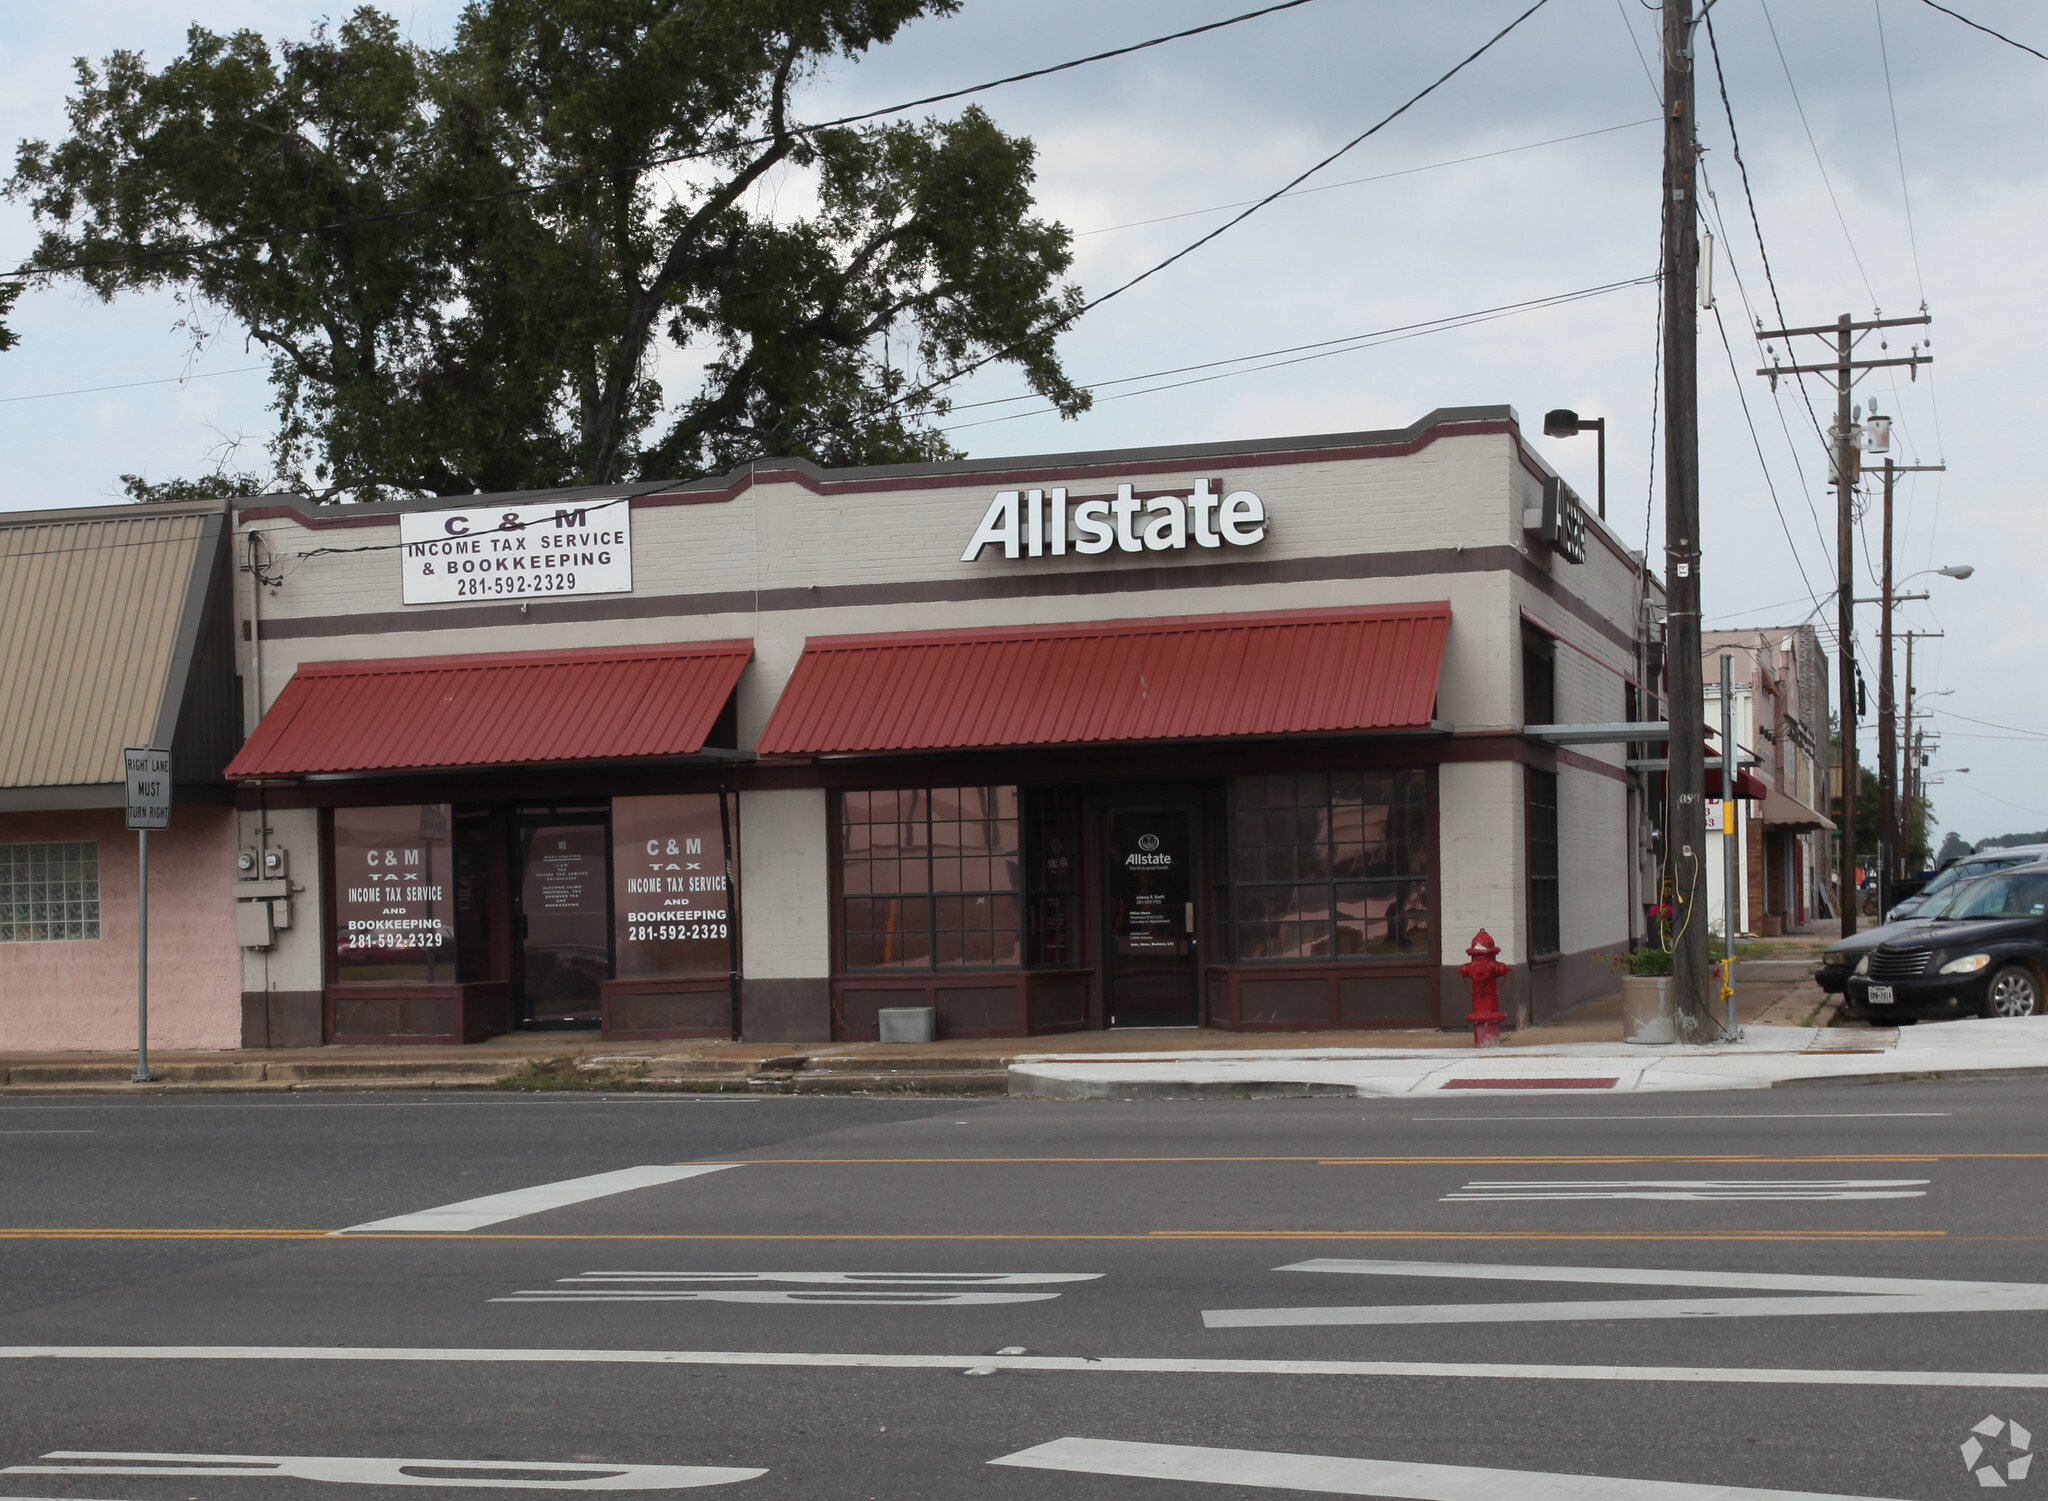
1831 1295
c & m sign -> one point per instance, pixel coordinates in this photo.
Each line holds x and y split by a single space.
517 552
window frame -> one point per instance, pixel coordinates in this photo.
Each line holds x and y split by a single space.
843 898
88 918
1546 886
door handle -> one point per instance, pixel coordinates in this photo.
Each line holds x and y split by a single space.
1191 917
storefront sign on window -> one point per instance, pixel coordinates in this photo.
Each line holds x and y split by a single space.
517 552
1041 523
394 905
668 887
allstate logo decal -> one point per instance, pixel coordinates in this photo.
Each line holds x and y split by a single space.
1148 842
2019 1442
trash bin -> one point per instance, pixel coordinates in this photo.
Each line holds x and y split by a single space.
1646 1010
909 1023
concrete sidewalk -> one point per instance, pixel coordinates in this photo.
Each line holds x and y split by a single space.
1775 996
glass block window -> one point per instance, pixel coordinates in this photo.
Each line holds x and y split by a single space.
931 878
1544 933
49 892
1331 866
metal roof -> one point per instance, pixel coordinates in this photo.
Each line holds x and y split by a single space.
495 709
97 637
1297 672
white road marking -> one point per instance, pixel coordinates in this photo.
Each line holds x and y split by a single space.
885 1289
1729 1115
1729 1190
1331 1476
851 1279
901 1298
1840 1296
494 1209
1111 1364
494 1474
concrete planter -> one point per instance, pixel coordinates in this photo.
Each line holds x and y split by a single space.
1646 1010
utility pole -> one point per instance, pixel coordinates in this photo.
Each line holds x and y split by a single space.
1911 748
1887 749
1842 369
1686 839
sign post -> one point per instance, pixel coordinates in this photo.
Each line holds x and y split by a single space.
149 807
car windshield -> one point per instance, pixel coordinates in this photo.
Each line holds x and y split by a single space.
1998 896
1962 871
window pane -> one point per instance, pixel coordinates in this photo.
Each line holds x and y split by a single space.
49 892
394 900
668 887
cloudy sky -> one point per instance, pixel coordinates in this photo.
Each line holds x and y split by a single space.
1534 173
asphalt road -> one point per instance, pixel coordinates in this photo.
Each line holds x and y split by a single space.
906 1299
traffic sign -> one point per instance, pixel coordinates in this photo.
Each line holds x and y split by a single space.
149 787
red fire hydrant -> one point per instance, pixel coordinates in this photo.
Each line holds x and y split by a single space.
1484 972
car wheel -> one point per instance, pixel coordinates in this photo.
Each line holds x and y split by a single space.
2013 991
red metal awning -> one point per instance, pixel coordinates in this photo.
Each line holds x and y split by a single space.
1294 672
498 709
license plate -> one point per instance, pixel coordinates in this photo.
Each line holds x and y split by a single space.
1880 995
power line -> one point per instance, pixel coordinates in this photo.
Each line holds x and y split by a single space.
1067 320
1456 161
129 385
1988 32
230 242
1898 150
1810 141
1349 344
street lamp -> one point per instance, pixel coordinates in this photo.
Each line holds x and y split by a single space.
1565 423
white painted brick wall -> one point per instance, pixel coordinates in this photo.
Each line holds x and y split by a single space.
785 892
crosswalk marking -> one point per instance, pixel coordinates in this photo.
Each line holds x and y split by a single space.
870 1289
1719 1190
1331 1475
1830 1296
495 1209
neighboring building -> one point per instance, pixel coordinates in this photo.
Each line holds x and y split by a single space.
1226 733
1779 680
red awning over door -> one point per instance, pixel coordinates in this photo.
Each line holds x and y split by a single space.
500 709
1296 672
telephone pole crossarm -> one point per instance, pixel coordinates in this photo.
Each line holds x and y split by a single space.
1836 367
1831 329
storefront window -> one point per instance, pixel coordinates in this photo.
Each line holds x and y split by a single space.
1330 867
674 919
394 908
930 878
1052 879
1543 878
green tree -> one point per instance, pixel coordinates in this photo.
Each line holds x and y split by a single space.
9 291
512 341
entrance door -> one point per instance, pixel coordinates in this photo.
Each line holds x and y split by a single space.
565 921
1150 934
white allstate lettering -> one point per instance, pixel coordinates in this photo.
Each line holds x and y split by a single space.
1201 507
1092 531
1047 523
1168 528
1243 519
1126 507
998 524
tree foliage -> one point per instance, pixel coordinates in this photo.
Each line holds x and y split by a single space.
796 288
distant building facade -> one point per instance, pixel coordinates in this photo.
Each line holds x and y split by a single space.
1785 843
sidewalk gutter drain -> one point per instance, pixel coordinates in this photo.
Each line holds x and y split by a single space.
1530 1083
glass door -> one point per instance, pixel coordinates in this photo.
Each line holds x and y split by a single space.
1150 931
564 921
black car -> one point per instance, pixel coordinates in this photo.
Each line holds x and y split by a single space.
1983 954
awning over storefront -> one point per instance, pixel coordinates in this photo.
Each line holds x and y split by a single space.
1296 672
1785 812
116 633
503 709
1748 785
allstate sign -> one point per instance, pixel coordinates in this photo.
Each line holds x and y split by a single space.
1040 523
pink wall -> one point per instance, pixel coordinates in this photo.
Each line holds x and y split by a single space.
81 994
